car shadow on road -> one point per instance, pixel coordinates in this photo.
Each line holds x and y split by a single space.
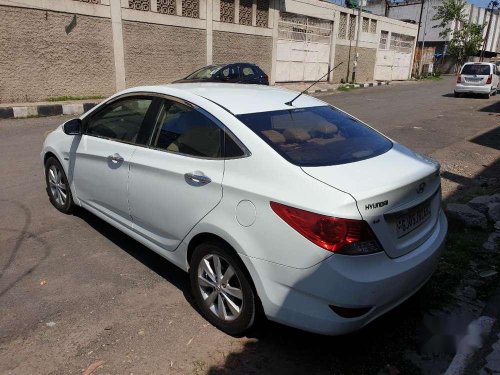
492 108
162 267
411 339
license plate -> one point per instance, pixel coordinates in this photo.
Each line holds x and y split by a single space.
411 220
473 79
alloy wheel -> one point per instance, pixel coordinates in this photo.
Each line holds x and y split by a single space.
220 287
58 188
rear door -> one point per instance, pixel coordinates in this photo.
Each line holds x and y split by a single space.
178 180
475 74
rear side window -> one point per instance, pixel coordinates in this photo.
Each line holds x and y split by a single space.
248 71
121 120
476 69
184 130
317 136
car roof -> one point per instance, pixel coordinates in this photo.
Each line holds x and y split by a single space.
237 98
479 63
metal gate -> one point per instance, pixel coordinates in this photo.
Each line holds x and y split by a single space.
394 63
303 51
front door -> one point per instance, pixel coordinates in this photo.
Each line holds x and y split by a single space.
178 180
102 157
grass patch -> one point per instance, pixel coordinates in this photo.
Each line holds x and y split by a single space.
347 87
67 98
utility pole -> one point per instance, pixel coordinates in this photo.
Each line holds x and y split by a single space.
355 64
493 4
421 64
418 33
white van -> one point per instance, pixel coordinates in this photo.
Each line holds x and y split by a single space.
477 78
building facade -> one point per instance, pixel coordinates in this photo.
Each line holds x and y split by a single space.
55 48
429 34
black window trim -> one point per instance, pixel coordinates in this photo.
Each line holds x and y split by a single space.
225 130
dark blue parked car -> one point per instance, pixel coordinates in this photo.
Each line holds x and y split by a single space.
233 73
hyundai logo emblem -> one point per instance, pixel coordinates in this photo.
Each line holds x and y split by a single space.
421 188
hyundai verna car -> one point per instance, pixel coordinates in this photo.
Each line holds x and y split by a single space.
477 78
298 211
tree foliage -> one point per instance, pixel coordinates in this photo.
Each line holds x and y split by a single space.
466 37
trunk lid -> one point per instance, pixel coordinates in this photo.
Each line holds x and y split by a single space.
474 80
397 193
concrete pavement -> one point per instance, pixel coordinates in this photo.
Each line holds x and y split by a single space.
75 292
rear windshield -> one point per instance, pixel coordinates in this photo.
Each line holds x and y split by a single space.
477 69
317 136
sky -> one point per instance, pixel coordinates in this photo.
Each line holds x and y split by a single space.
481 3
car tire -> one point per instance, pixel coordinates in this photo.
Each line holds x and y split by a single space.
229 303
58 187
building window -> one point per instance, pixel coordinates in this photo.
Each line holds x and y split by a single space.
384 35
402 43
191 8
343 26
167 7
352 27
90 1
366 22
262 13
373 26
227 11
140 4
246 12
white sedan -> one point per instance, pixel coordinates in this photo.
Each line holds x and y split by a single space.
286 208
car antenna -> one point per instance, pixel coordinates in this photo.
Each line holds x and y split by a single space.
331 70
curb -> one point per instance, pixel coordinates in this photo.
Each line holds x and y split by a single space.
43 110
477 331
354 85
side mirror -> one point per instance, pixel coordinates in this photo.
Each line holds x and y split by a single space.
73 127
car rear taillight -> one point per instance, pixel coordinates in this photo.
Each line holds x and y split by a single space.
344 236
266 78
459 78
490 77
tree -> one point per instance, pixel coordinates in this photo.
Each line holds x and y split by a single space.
466 37
466 42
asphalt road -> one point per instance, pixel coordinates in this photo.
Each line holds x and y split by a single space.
74 292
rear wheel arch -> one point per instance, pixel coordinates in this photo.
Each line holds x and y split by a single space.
210 237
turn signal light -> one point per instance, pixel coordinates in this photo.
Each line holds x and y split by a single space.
488 81
343 236
459 78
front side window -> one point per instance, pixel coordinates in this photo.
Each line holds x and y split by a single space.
121 120
229 72
476 69
317 136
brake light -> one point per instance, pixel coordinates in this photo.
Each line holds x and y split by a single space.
266 78
459 78
490 77
344 236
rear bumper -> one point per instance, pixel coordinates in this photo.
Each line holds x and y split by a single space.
301 297
484 89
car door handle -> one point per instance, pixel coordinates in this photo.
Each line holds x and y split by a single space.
116 158
197 178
